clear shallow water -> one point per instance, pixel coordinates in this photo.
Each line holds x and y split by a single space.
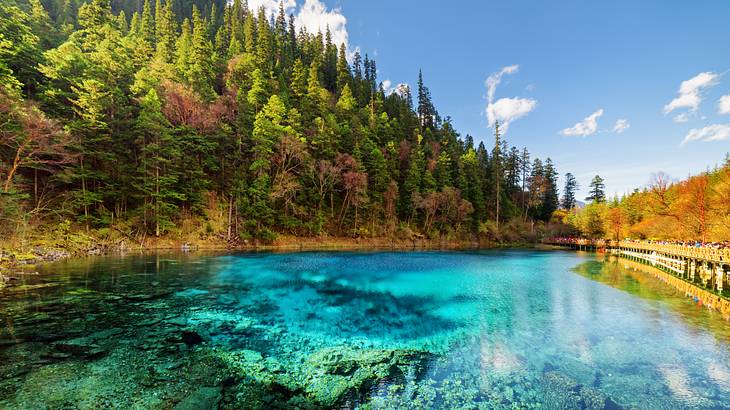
492 329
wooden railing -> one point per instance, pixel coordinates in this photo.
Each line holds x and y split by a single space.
702 253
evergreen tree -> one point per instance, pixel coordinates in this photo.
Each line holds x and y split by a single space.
160 154
344 76
147 26
596 191
571 185
183 48
200 73
264 44
550 201
497 172
426 112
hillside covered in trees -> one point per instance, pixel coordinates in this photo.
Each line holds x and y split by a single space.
174 118
694 209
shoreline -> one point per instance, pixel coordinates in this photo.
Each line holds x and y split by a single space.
15 260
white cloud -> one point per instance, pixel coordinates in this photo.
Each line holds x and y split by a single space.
506 110
680 118
312 15
690 92
271 6
315 17
715 132
621 126
496 78
588 126
402 89
723 107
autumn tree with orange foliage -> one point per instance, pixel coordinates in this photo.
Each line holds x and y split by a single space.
697 208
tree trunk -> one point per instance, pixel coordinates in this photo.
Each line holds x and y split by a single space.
230 218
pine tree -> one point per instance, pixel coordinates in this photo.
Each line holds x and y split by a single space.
299 81
283 55
316 95
270 126
329 66
550 196
258 95
597 190
159 179
344 76
346 102
249 33
165 32
525 171
183 50
200 74
497 171
571 185
147 26
426 112
122 24
264 44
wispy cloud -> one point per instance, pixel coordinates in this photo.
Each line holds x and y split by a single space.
621 126
588 126
681 118
723 106
715 132
505 110
494 79
690 93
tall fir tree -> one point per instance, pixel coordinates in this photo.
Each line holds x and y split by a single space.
571 185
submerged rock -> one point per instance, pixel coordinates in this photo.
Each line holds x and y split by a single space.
205 398
80 347
561 391
191 337
178 321
192 292
341 375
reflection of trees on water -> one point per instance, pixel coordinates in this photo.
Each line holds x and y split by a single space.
637 279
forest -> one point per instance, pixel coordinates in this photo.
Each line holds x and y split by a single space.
694 209
145 120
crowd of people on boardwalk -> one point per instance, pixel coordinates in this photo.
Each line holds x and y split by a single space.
690 244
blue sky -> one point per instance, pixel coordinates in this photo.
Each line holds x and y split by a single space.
574 58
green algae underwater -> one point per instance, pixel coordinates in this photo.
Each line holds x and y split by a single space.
369 330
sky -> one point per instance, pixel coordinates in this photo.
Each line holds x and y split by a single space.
620 88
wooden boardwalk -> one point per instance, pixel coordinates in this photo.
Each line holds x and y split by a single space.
703 273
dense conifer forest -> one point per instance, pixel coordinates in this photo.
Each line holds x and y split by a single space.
149 119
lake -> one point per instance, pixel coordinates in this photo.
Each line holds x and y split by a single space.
482 329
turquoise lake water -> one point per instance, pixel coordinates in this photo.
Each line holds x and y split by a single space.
486 329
